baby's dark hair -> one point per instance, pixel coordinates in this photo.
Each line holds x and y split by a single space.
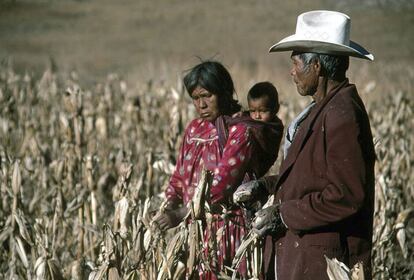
263 89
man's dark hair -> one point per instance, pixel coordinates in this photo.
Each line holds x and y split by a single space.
333 66
214 77
264 89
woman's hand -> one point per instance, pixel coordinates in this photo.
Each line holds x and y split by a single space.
170 218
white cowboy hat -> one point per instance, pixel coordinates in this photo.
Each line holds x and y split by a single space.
325 32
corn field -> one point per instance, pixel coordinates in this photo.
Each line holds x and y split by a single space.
83 172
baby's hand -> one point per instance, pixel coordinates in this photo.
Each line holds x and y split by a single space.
238 114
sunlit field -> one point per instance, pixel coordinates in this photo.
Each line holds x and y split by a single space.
83 170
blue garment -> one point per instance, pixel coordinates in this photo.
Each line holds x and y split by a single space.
293 127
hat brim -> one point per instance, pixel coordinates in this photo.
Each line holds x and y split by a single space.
292 43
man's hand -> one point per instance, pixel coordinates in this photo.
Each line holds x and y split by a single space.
170 218
268 220
248 192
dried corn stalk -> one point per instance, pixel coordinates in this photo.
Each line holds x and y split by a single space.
339 271
46 176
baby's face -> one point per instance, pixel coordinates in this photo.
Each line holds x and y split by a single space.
259 109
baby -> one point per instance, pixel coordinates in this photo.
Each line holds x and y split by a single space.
263 102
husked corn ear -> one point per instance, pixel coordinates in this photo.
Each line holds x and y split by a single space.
121 216
200 194
17 179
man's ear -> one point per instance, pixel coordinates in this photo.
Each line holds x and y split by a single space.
317 67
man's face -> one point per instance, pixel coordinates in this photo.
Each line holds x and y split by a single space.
305 78
206 104
259 109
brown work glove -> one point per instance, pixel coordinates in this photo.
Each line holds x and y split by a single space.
268 221
248 193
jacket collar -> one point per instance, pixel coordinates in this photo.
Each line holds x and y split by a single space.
305 131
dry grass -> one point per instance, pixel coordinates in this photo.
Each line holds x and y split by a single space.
149 39
82 172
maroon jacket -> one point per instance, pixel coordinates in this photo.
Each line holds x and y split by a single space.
326 189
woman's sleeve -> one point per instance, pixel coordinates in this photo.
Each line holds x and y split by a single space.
174 191
233 165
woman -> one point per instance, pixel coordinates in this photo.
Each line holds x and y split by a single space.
234 149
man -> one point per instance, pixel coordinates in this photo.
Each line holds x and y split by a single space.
324 193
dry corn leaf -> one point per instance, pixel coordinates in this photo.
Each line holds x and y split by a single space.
357 272
194 239
113 274
247 242
40 268
402 238
22 223
19 247
337 270
100 273
54 270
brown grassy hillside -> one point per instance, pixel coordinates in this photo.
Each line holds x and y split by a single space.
157 39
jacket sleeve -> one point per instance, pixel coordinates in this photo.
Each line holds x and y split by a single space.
233 165
269 183
345 192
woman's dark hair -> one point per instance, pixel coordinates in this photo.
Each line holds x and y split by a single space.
214 77
264 89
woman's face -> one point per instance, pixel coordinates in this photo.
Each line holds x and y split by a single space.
206 104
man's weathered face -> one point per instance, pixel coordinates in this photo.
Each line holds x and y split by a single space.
305 78
206 103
